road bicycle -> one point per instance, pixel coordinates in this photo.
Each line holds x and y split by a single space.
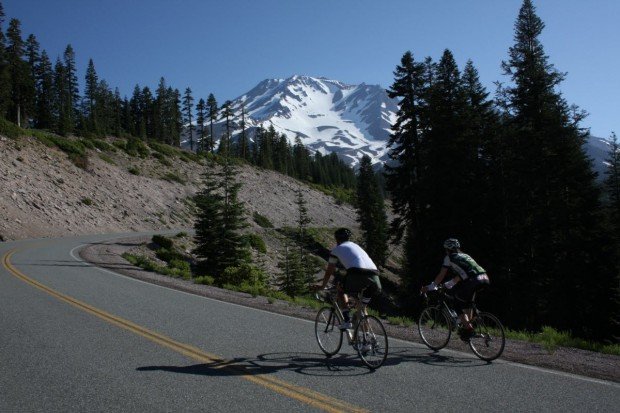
438 321
368 337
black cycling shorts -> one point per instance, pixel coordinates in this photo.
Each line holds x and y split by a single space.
361 280
464 292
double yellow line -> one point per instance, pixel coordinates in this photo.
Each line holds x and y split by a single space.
302 394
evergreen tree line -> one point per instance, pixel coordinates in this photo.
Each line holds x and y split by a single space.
509 177
271 150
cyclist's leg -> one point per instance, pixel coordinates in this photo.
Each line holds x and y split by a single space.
343 297
463 302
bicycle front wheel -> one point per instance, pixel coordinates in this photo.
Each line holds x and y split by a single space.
434 328
489 338
327 331
371 341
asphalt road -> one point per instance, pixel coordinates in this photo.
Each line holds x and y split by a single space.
74 337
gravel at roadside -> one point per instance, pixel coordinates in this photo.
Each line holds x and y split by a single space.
575 361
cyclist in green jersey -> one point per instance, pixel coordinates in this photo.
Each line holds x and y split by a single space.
469 278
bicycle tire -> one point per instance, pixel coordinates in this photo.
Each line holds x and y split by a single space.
371 341
327 332
489 337
434 326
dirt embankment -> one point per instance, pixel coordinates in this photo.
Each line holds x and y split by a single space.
43 194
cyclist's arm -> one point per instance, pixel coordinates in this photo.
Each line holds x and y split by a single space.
329 271
442 274
438 279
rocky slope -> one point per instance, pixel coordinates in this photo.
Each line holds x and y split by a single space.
43 194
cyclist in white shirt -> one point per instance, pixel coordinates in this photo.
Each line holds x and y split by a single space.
361 272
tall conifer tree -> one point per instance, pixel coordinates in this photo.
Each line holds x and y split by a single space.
405 170
188 109
213 114
554 217
371 212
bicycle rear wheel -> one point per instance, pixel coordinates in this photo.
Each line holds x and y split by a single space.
434 328
489 338
371 341
327 332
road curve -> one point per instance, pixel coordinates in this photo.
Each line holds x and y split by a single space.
76 337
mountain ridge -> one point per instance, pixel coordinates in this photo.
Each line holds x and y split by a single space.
332 116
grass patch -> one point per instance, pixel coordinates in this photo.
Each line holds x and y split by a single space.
255 242
165 150
9 129
204 280
87 201
551 339
162 159
107 159
172 177
340 195
401 321
262 220
103 145
134 170
136 148
180 271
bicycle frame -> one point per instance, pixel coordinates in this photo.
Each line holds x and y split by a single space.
331 297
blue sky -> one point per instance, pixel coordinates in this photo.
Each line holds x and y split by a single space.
226 47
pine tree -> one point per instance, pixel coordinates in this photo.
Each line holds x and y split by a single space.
227 114
5 83
298 269
554 210
371 212
301 160
44 118
188 106
405 171
60 113
200 123
213 113
219 222
243 140
612 179
91 90
71 94
20 75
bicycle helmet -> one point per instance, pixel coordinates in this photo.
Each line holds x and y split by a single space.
452 244
342 235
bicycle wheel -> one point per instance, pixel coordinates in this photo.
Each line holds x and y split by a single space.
489 339
434 328
371 341
328 334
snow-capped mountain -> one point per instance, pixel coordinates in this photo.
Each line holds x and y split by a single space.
327 115
330 116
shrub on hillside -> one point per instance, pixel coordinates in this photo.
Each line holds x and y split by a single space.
135 147
244 274
256 242
9 129
262 220
162 241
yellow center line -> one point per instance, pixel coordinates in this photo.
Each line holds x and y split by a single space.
302 394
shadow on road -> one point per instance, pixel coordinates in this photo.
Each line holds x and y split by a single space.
316 364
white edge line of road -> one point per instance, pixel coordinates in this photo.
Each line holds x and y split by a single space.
460 353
